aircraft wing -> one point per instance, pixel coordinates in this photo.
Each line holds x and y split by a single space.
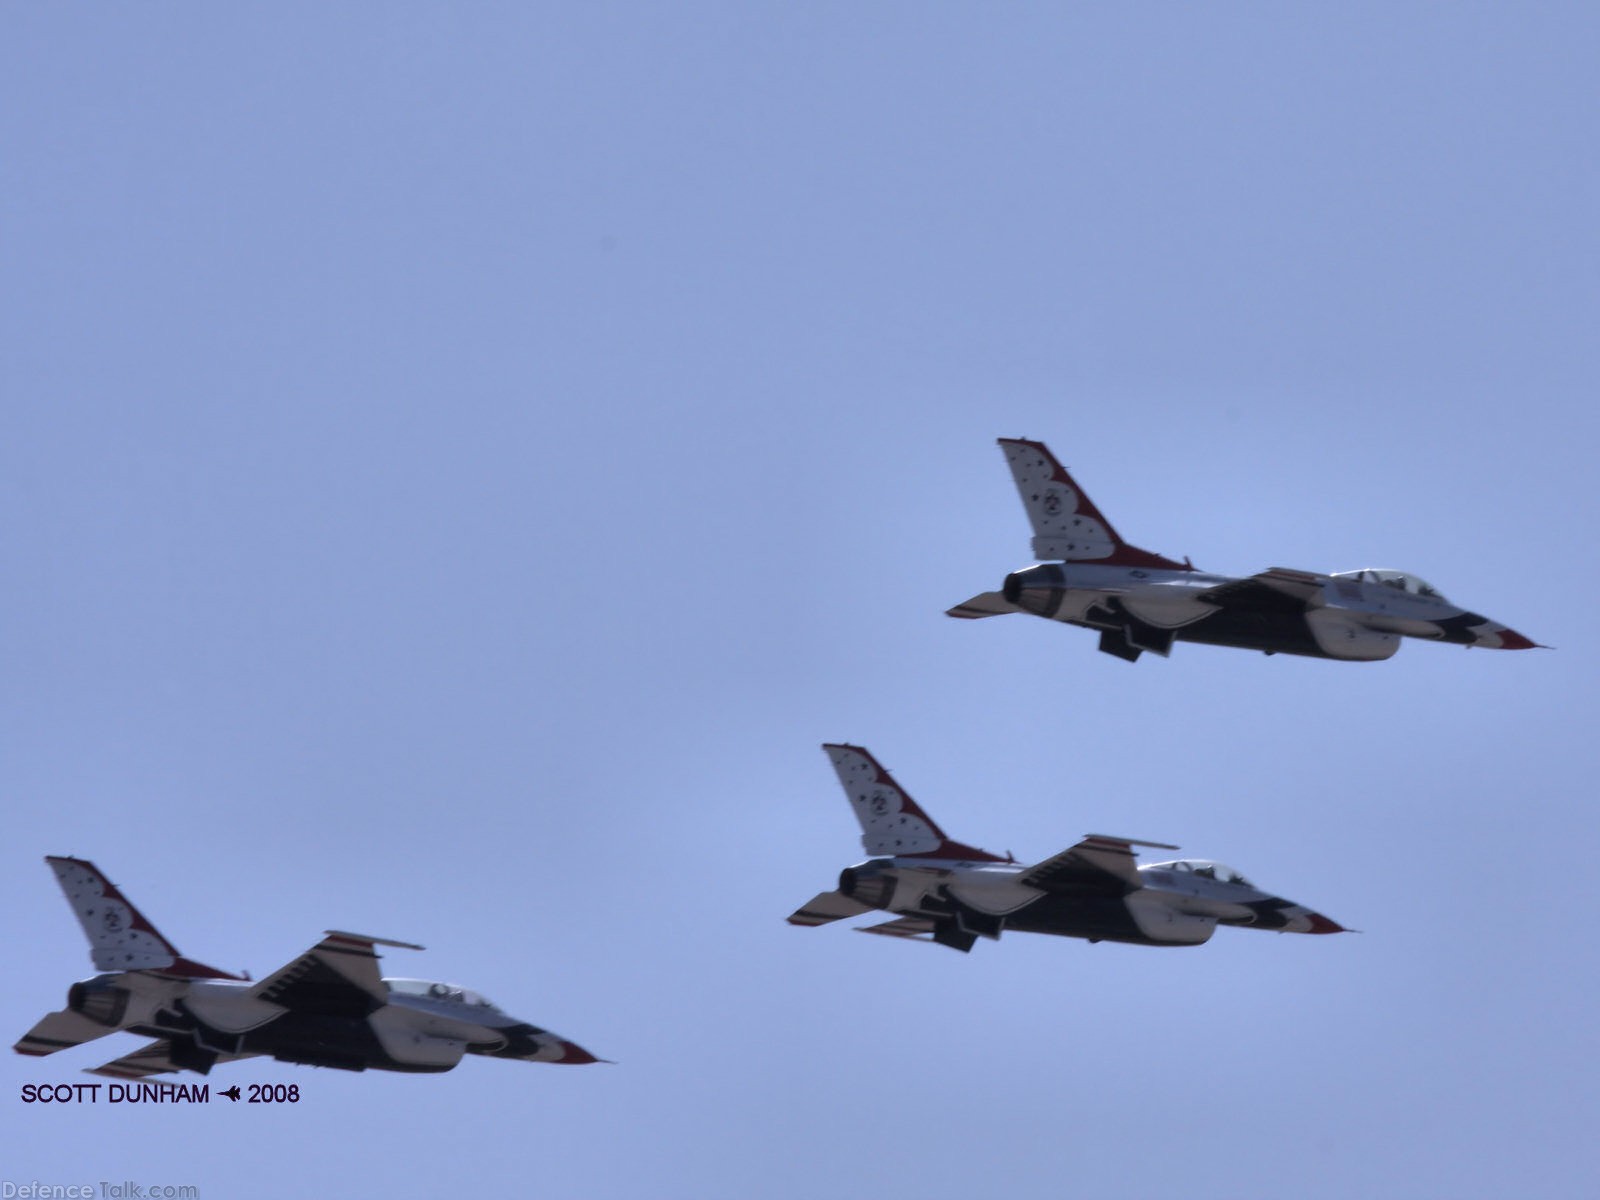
336 977
153 1058
1277 589
1097 866
58 1031
825 907
917 928
984 604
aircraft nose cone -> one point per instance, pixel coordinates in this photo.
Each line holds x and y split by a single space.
1510 639
1473 629
574 1055
1321 924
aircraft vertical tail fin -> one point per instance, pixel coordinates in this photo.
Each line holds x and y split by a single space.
891 822
120 937
1067 527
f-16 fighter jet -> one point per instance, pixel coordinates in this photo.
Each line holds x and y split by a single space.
1141 601
328 1008
946 892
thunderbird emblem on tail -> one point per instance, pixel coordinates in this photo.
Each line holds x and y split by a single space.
946 892
327 1008
1087 575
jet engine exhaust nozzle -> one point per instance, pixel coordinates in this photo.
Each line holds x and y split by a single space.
1036 589
869 887
99 1003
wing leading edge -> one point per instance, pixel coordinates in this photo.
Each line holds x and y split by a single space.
337 976
1277 589
1097 866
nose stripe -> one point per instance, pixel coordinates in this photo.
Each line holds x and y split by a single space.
1321 924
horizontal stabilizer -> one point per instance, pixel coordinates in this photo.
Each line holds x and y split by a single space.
825 907
60 1030
984 604
920 928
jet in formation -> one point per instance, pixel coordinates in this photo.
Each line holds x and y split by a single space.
946 892
1087 575
327 1008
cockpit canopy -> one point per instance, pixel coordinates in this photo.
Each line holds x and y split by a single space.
1205 869
1400 580
447 992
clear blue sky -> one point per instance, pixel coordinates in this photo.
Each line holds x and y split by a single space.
460 461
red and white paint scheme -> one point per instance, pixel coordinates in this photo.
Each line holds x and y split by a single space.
945 892
1087 575
327 1008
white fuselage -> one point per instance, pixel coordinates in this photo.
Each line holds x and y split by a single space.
1334 616
1171 907
411 1031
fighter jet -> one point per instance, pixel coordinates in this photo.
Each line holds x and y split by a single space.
327 1008
1141 601
945 892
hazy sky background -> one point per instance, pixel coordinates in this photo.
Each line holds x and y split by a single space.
460 461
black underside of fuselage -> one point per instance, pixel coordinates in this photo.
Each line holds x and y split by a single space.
310 1039
345 1043
1095 918
1260 619
1270 633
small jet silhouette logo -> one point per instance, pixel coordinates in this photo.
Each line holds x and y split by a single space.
232 1093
